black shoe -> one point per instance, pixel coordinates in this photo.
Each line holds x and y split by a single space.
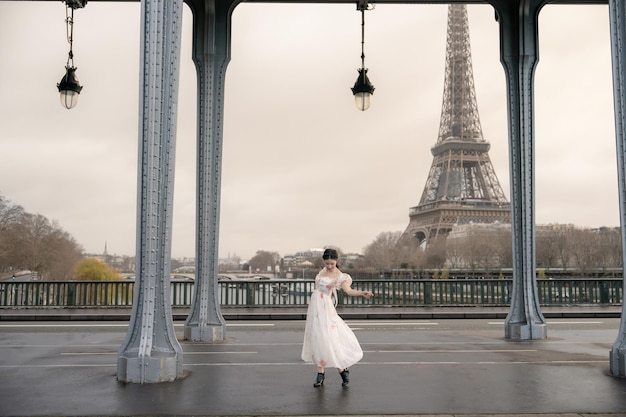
319 381
345 376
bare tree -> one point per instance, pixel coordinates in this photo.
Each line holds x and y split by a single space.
552 249
382 252
503 248
31 241
546 249
580 245
10 215
482 249
478 246
562 247
264 260
606 248
455 253
435 254
409 254
63 253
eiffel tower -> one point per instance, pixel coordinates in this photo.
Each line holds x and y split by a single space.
462 186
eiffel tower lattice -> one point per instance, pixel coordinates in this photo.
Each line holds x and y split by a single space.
462 186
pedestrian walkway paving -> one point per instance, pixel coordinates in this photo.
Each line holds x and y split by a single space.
299 313
410 368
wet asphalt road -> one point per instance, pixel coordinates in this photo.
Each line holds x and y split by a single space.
409 367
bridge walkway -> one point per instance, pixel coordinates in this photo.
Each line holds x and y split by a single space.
411 367
299 313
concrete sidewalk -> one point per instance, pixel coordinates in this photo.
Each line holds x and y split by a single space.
299 313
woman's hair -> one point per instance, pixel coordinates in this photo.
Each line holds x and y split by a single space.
330 254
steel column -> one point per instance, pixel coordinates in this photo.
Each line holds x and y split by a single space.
617 15
151 352
211 54
519 56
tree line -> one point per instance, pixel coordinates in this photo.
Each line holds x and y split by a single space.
32 242
481 248
485 248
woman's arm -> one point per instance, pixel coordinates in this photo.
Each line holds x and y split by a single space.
345 286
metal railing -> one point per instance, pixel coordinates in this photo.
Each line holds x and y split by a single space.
296 293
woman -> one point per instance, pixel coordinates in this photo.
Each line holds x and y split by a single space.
328 341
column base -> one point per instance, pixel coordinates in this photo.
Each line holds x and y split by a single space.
525 331
151 369
617 359
204 333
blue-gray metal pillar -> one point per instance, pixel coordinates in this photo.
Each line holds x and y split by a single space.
617 15
211 54
519 56
151 352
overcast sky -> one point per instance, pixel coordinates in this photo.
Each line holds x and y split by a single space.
302 168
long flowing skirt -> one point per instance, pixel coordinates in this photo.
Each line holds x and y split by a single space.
328 341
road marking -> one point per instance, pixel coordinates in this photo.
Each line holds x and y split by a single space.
390 363
555 322
91 365
186 344
366 351
56 346
216 353
89 324
360 323
185 353
453 351
367 323
405 363
87 353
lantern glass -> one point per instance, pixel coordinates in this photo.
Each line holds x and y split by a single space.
362 100
69 98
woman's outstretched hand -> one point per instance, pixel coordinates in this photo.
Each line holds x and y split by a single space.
368 294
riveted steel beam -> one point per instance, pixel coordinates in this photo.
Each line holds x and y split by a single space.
519 55
617 17
211 54
151 352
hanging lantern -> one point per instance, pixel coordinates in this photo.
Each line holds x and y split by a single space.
69 88
363 88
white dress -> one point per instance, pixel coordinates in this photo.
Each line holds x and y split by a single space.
328 341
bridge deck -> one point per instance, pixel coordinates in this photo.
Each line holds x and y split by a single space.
410 367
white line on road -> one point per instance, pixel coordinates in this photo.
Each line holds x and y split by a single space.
368 323
555 322
185 353
365 351
87 324
402 363
454 351
90 324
